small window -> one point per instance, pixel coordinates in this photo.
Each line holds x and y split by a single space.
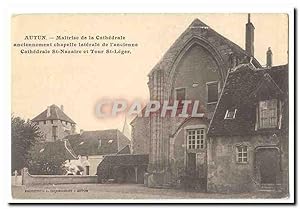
52 121
230 114
268 114
242 154
54 132
196 138
212 91
180 94
45 122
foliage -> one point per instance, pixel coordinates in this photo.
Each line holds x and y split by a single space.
48 158
23 137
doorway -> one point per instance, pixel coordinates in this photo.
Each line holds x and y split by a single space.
268 165
191 164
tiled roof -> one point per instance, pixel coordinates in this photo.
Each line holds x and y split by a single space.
55 114
239 92
96 142
125 150
62 148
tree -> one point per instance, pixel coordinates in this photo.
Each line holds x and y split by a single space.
48 158
23 137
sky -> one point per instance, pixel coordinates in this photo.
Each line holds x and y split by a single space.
79 81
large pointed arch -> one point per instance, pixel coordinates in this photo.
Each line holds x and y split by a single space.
196 40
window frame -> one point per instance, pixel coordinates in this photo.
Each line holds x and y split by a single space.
218 90
259 119
237 152
192 143
55 133
226 114
180 88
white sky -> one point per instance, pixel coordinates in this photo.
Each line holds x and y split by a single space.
78 82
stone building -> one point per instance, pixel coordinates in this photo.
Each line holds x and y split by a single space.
54 124
247 144
141 135
92 146
194 68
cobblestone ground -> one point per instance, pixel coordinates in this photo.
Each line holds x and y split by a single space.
120 191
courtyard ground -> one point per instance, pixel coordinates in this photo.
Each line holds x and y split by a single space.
119 191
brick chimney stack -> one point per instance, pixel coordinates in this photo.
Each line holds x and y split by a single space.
249 45
269 57
62 107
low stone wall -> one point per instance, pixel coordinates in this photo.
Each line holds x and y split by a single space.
29 179
16 180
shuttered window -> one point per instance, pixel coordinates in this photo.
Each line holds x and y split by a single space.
268 113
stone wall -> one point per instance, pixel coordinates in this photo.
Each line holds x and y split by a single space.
93 162
225 174
16 180
178 146
140 135
28 179
46 129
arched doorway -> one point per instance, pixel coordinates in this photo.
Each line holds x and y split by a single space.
267 164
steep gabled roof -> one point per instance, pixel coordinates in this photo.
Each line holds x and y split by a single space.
87 143
57 148
124 150
55 114
199 29
241 84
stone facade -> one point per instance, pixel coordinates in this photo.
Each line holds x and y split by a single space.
249 150
140 135
225 174
54 124
63 129
200 56
181 152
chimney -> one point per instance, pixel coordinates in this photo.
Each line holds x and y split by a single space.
48 111
250 37
81 131
62 107
269 57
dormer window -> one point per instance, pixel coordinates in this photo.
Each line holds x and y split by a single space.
230 114
268 114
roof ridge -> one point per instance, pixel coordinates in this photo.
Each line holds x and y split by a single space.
55 114
190 29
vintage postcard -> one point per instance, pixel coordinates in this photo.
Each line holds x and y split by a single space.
143 107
